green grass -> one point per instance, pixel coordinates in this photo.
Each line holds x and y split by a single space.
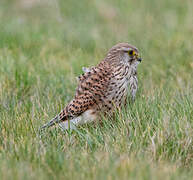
43 48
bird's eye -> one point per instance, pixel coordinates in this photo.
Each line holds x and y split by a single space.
131 52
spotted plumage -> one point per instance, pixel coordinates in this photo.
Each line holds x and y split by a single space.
103 88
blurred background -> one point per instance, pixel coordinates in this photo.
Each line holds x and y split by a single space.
91 25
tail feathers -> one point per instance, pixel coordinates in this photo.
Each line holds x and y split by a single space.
54 121
62 116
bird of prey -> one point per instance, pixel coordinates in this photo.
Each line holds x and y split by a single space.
103 88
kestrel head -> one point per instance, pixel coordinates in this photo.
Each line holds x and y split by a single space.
124 53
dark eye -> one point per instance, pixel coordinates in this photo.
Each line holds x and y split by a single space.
131 52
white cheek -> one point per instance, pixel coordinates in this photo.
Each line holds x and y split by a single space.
137 62
126 57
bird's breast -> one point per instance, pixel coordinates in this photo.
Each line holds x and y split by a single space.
118 88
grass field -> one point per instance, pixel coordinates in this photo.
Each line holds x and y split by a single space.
43 47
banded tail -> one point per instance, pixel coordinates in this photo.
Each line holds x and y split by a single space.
52 122
62 116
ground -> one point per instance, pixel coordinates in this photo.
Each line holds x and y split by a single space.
43 47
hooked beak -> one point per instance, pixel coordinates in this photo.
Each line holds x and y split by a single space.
139 59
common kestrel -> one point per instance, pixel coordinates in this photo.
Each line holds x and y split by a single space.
103 88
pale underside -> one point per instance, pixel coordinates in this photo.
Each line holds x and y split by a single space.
84 118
